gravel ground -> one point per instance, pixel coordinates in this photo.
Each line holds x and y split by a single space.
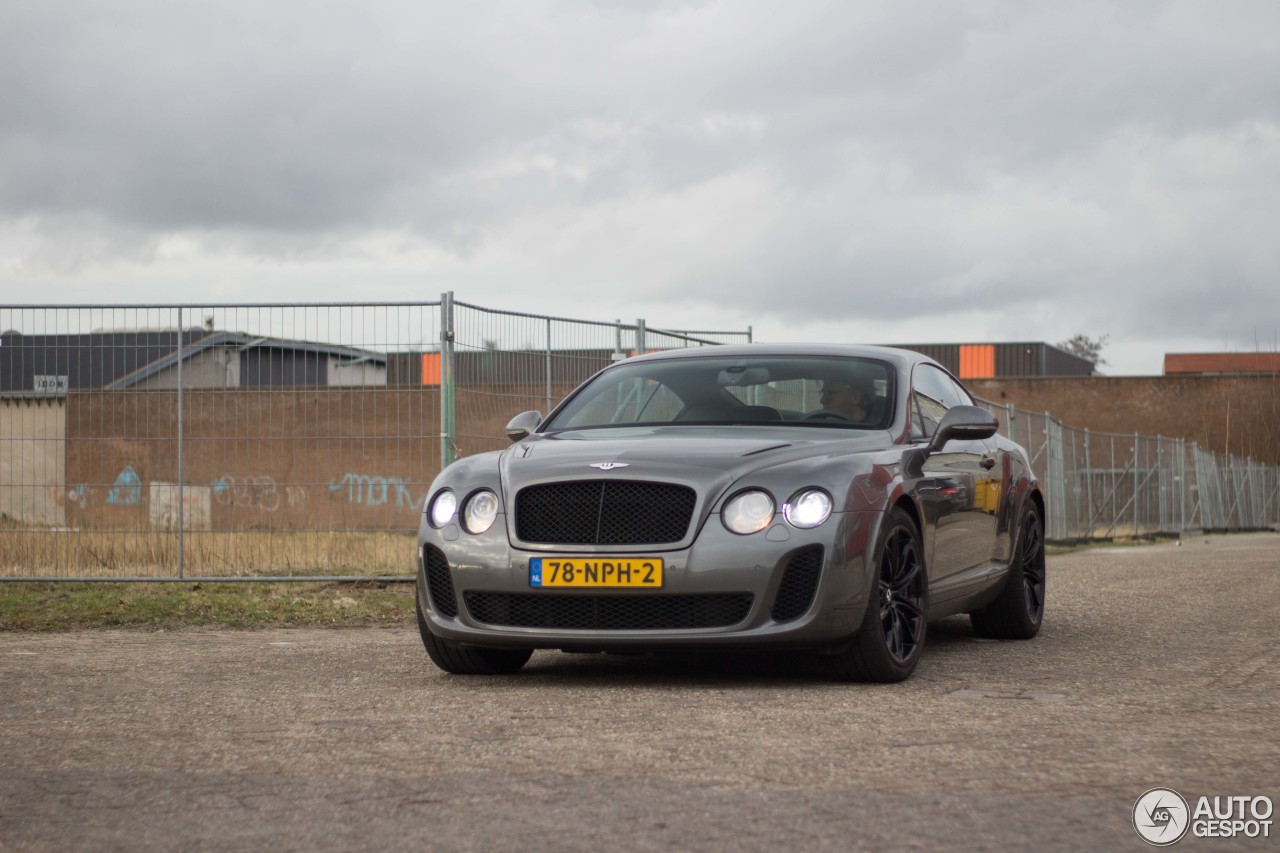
1157 666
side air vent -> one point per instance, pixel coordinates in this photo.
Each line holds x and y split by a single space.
439 583
799 583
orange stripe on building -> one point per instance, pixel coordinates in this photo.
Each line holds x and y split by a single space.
431 368
977 361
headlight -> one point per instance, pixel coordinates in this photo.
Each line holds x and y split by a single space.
443 506
480 511
808 508
749 512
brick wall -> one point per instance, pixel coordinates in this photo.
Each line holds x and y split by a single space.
308 458
1221 362
1236 414
280 458
363 458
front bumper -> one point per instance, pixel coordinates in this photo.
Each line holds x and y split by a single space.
477 591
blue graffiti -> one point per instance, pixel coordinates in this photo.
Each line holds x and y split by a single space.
373 491
128 488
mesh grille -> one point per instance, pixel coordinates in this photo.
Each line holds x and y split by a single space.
439 584
608 612
604 512
799 583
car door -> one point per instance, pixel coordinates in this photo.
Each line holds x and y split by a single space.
956 493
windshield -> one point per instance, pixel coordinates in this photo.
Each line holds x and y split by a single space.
853 393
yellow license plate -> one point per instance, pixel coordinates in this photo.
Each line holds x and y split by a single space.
593 572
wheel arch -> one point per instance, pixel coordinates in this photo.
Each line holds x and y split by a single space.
907 502
1036 497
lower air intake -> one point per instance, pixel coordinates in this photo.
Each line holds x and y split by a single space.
608 612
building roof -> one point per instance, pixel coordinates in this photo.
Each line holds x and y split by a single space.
1009 358
122 359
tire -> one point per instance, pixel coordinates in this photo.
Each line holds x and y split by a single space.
1018 611
460 660
891 638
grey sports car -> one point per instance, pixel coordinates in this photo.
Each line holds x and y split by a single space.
828 499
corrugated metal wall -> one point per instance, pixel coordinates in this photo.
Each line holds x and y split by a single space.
989 361
1060 363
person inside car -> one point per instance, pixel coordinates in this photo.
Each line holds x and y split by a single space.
847 397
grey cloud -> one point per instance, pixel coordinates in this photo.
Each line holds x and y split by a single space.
937 153
296 118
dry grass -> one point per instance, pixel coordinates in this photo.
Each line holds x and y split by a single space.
39 606
51 552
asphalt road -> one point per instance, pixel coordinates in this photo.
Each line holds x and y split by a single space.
1157 666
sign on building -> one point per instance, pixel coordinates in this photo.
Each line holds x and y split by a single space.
49 384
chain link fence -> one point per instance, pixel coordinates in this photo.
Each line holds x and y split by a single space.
1101 485
262 442
171 441
286 442
504 363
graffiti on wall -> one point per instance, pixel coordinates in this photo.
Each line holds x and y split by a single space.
257 491
127 490
83 495
369 490
243 491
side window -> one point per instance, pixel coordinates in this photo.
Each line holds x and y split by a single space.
928 414
958 396
933 392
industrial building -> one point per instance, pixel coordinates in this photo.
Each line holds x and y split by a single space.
997 361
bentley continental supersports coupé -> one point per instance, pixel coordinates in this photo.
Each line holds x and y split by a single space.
827 499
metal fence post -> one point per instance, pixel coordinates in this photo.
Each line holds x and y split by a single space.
1182 484
181 481
640 335
548 365
447 382
1136 462
1075 474
1165 521
1113 481
1088 484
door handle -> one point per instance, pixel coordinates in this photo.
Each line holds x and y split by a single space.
988 462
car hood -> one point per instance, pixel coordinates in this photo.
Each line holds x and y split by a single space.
703 457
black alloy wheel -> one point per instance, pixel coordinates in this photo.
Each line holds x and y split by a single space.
1031 558
889 642
1017 612
902 595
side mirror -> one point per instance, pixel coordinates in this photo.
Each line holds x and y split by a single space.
522 425
964 423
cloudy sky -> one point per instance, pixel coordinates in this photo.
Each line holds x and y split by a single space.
846 171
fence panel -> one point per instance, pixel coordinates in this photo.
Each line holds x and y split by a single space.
508 362
1100 485
262 441
215 441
